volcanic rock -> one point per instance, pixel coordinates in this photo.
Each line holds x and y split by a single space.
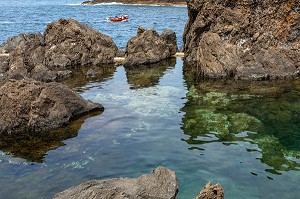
36 106
11 43
71 43
211 191
244 39
148 47
160 183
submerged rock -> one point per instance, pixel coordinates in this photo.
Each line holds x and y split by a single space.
160 183
147 47
243 39
36 106
211 191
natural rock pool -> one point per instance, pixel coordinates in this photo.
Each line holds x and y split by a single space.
243 135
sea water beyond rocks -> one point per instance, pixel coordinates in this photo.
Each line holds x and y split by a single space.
243 39
153 2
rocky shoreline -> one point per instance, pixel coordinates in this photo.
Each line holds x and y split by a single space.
241 40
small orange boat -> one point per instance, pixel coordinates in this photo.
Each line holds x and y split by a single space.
118 18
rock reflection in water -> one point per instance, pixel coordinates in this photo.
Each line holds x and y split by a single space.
34 146
264 114
82 76
147 76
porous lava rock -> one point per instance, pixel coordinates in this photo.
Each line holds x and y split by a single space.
211 191
71 43
65 44
160 183
148 47
245 39
32 106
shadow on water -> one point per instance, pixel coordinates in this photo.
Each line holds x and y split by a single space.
34 146
148 76
264 114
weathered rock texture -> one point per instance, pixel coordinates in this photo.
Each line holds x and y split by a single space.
246 39
69 42
161 183
36 106
211 191
14 41
65 44
148 47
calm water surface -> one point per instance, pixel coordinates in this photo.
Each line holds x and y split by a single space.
242 135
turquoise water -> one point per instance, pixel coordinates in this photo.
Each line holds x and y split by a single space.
243 135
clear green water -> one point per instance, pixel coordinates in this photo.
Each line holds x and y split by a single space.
245 136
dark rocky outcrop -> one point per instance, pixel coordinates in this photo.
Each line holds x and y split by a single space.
14 41
147 47
65 44
243 39
71 43
36 106
160 183
156 2
211 191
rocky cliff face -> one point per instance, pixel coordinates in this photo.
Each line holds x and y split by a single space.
246 39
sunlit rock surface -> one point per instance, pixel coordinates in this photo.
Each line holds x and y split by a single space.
160 183
211 191
243 39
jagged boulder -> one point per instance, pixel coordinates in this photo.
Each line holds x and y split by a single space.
147 47
32 106
160 183
249 39
170 37
211 191
11 43
26 56
71 43
65 44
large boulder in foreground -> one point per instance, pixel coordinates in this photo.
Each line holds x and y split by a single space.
243 39
211 191
160 183
36 106
148 47
71 43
